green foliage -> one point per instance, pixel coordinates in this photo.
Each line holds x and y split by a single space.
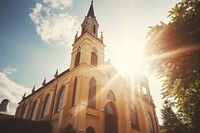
15 125
174 51
171 122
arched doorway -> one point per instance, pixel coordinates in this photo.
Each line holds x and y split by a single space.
90 130
111 119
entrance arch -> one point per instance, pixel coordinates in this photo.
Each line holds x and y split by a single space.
111 119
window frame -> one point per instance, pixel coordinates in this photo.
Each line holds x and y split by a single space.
34 110
45 109
60 100
92 93
94 59
133 116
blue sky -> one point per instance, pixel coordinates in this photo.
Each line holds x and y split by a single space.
36 38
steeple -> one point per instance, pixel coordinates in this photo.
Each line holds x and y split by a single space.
91 11
90 23
88 48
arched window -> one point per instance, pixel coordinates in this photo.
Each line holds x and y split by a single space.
150 121
22 110
94 29
133 115
90 130
111 121
78 55
94 59
45 110
25 111
74 91
34 110
111 96
92 94
60 99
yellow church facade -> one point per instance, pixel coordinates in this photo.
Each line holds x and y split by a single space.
91 96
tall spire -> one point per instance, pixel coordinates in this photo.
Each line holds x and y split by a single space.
91 11
90 23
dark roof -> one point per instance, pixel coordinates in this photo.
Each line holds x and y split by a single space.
91 11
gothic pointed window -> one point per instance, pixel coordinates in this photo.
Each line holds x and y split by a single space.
22 110
111 120
111 96
78 55
34 110
150 121
92 94
74 92
90 130
25 111
94 57
133 116
60 99
45 110
94 30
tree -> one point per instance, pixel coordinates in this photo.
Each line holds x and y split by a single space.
171 122
174 51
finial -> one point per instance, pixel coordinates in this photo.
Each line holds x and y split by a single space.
24 95
101 36
44 82
33 90
91 1
56 74
76 36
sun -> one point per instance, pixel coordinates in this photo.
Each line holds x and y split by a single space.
129 62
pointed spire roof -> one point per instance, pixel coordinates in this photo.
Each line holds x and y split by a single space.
33 90
91 11
24 95
44 82
56 74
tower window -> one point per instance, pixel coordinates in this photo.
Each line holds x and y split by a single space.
92 94
94 59
94 29
77 59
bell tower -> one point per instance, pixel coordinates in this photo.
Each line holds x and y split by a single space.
88 48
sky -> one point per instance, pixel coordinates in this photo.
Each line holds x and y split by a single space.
36 38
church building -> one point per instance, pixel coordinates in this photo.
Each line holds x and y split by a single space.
91 96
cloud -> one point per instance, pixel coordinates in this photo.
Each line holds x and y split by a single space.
11 90
53 24
9 70
58 4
